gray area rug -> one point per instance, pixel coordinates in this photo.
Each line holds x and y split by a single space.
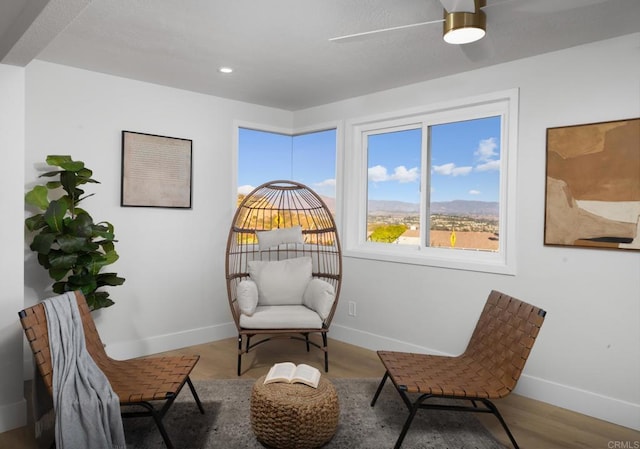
226 422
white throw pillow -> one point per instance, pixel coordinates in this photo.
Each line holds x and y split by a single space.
275 237
247 296
319 296
281 282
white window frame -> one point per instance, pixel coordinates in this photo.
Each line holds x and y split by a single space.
355 244
338 126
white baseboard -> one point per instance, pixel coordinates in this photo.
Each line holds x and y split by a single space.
169 342
609 409
13 415
581 401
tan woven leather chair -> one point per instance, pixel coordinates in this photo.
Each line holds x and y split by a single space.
282 206
138 382
488 369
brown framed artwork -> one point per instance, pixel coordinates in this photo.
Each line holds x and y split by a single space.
593 185
156 171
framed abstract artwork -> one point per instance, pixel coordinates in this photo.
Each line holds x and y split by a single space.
156 171
593 185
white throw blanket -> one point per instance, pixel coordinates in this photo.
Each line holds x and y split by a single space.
86 408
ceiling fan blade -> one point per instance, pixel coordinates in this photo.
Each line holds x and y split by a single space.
357 36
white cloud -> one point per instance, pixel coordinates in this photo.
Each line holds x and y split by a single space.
378 173
245 190
326 183
474 192
401 174
486 149
489 166
450 169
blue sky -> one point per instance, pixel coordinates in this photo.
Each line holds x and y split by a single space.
306 158
464 160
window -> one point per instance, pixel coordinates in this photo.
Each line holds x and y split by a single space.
435 187
308 158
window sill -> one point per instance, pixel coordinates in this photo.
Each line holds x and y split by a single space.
480 261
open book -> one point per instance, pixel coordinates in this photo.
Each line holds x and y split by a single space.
288 372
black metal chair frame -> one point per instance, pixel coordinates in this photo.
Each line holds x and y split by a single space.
419 403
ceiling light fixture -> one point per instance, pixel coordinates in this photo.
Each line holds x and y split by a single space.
461 27
225 70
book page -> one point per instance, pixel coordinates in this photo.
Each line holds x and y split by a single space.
280 372
307 375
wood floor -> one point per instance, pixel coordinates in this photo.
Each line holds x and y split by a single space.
535 425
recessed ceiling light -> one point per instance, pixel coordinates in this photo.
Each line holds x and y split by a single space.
225 70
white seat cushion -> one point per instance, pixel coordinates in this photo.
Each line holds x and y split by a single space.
281 317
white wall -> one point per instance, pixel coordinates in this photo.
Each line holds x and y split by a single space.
12 110
587 357
172 259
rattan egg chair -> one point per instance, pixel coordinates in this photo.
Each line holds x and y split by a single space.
282 225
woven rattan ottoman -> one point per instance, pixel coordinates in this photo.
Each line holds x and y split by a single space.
294 416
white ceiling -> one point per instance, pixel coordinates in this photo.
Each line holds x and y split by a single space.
280 49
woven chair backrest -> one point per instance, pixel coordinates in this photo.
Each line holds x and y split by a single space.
504 335
278 205
34 323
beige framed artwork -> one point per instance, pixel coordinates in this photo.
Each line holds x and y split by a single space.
593 185
156 171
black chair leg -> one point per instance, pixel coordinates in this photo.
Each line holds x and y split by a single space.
326 352
306 339
382 382
407 424
157 417
195 395
239 353
490 405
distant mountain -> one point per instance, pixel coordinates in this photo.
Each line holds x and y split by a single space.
456 207
464 207
382 207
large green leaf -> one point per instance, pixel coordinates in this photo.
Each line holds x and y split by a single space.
60 260
54 215
98 261
59 287
65 162
52 185
109 279
85 282
71 243
50 174
81 225
68 181
98 300
35 222
58 274
104 229
38 197
107 246
42 242
43 259
111 257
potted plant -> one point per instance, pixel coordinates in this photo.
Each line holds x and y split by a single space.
69 244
